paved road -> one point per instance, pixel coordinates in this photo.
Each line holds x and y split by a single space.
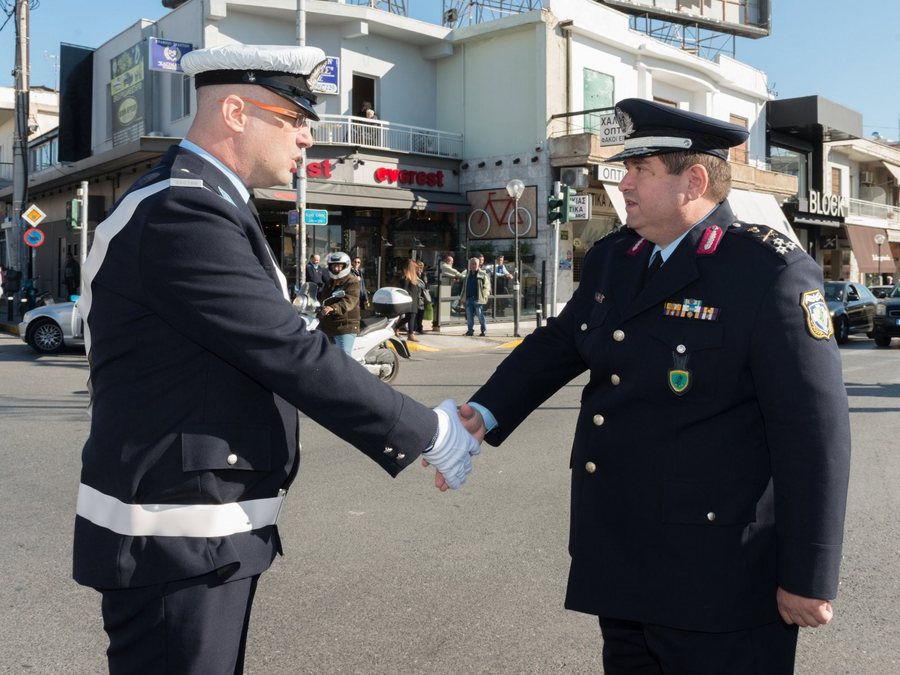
389 576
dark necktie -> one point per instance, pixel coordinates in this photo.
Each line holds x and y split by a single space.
253 210
655 263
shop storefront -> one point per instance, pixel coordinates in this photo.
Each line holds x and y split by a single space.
380 208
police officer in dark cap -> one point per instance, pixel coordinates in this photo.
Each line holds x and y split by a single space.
199 364
711 455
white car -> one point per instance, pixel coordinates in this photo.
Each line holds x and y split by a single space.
51 327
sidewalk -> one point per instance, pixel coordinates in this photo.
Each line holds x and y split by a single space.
500 335
11 327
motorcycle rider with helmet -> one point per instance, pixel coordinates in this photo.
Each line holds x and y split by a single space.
339 315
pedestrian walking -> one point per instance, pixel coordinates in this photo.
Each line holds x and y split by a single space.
475 289
408 281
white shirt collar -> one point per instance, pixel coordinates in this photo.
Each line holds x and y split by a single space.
232 176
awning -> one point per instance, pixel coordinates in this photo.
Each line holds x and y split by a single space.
894 170
760 209
617 199
343 194
862 241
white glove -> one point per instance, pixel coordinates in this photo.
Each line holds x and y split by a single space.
454 446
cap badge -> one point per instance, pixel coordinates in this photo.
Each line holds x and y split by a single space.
818 317
251 76
625 122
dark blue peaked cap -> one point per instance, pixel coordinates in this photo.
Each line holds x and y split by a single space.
654 129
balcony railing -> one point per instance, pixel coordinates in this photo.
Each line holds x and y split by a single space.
382 135
857 207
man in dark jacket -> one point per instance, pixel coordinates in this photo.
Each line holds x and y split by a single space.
198 366
339 316
314 271
711 456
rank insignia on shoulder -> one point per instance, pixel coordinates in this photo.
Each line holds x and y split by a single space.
777 241
186 182
818 318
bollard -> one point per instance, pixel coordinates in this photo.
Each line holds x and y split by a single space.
537 316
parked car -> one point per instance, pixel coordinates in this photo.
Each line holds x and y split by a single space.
881 291
887 318
852 308
50 328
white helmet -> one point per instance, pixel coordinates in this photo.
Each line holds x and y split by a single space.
338 258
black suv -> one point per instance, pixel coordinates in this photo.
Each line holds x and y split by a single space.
887 318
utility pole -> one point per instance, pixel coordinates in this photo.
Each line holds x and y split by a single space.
83 221
20 137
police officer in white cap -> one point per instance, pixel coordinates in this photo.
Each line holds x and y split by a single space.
199 364
711 456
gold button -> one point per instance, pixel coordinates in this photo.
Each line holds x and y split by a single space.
618 335
711 516
598 420
231 459
584 326
615 379
590 467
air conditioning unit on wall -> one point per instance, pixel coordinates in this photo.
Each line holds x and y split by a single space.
867 177
576 176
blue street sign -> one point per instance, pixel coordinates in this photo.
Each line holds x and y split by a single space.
315 217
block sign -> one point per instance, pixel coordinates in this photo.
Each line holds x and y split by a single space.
315 217
34 215
34 237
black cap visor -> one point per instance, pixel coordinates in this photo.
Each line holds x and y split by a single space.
287 85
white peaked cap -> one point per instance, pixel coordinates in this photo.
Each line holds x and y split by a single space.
290 72
273 58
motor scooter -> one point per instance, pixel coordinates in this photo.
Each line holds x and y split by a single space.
376 347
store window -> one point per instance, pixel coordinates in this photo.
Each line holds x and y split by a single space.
599 92
793 163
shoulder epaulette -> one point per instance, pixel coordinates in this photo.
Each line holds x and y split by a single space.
777 242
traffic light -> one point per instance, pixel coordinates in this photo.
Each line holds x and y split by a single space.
73 213
567 194
558 203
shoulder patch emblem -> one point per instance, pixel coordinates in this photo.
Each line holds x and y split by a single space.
818 318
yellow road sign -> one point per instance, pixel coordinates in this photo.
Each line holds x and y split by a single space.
34 215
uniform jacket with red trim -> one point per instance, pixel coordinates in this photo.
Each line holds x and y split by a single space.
198 365
711 455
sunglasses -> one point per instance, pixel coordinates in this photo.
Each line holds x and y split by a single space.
298 118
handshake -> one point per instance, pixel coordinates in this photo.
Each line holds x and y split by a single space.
459 436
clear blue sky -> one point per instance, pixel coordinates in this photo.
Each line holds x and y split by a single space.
848 52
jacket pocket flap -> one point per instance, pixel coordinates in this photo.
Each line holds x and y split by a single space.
226 447
708 503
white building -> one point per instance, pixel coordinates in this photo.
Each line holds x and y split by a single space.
461 112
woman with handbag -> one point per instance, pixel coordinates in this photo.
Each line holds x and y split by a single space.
409 281
424 297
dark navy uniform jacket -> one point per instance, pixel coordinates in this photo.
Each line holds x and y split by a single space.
711 456
198 366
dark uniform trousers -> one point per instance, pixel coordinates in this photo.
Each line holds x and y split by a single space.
634 648
711 454
192 626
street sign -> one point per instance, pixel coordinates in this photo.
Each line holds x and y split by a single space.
315 217
34 215
580 207
293 217
33 237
